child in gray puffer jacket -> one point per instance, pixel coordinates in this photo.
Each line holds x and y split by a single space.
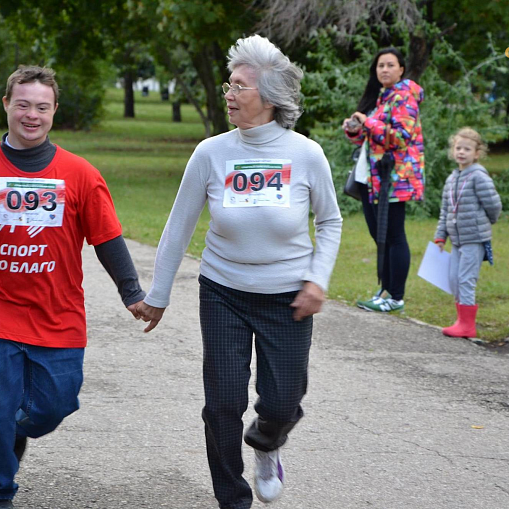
470 205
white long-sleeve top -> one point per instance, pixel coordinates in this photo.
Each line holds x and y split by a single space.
258 238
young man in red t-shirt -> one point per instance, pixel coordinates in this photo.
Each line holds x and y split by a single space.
50 201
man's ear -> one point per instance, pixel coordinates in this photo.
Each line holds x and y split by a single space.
56 107
6 102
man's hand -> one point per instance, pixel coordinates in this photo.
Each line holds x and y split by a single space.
149 314
440 245
133 308
308 301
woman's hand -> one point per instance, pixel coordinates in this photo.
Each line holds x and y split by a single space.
149 314
360 117
354 124
351 125
308 301
440 245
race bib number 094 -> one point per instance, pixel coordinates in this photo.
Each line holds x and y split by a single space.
257 183
31 202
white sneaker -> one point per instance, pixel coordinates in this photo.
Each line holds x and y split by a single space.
269 474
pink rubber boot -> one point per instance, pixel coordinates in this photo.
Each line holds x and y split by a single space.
465 325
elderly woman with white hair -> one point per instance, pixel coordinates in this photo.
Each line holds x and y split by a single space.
260 275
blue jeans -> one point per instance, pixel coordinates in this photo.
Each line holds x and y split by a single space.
38 388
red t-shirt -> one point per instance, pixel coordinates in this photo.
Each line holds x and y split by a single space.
44 218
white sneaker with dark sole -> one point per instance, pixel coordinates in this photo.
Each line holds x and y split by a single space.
269 475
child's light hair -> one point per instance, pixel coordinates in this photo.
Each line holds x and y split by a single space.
469 134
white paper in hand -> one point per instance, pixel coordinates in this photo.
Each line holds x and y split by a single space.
435 267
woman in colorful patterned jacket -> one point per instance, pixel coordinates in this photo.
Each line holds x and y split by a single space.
389 108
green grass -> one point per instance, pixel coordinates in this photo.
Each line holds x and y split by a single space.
424 301
143 159
496 163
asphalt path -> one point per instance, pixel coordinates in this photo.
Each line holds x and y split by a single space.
397 416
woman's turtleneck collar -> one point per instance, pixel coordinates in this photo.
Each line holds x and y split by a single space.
262 134
29 159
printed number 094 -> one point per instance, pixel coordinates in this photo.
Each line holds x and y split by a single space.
256 181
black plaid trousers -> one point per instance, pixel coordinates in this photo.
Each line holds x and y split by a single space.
229 319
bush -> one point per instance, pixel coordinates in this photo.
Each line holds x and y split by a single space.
81 85
333 88
502 184
80 102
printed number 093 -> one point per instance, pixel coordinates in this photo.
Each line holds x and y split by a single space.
15 200
256 181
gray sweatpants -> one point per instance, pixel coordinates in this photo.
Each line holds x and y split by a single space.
464 270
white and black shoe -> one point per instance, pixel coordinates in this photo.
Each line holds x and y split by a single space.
269 475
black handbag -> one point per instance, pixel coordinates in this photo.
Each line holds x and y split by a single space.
352 187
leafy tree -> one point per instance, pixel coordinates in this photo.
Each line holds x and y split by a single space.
482 26
418 25
8 61
76 36
177 63
206 29
340 38
296 23
178 66
132 61
332 89
51 34
128 45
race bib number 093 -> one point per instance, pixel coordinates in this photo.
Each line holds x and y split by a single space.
31 202
257 183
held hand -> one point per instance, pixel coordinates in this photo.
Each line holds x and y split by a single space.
150 314
308 301
133 308
440 245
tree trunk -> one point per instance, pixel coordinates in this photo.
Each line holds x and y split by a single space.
128 95
418 57
420 50
222 62
203 62
177 117
166 58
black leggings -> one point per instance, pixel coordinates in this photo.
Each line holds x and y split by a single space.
397 252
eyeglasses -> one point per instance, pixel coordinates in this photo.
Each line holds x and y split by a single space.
236 89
